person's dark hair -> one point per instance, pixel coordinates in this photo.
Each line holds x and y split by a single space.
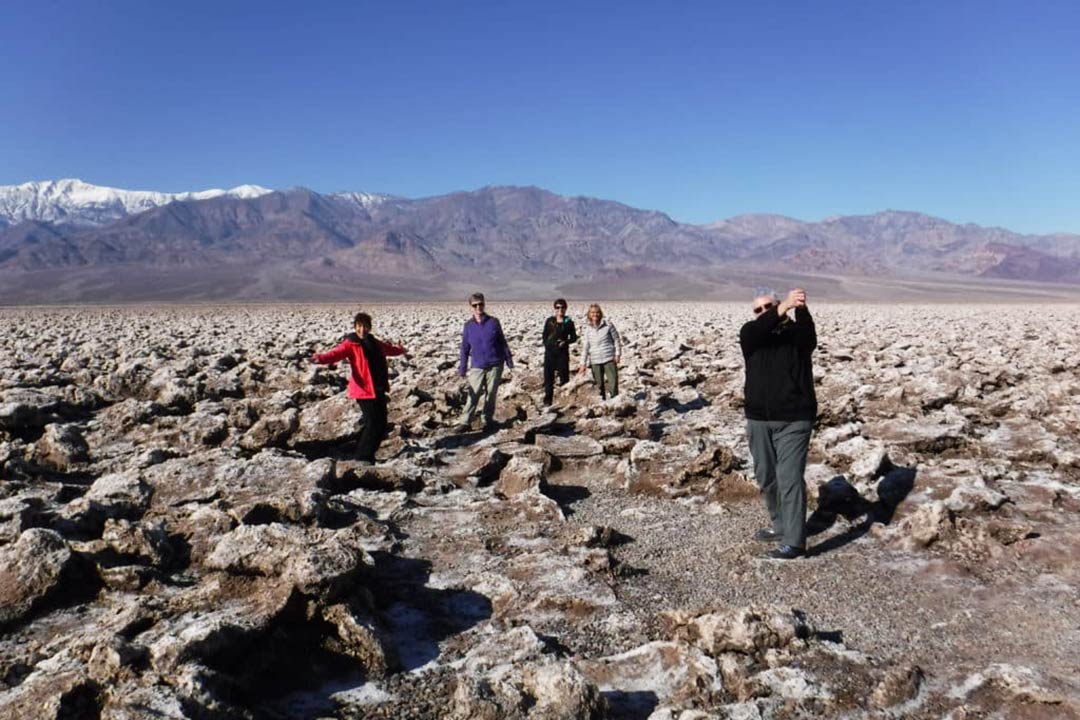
476 297
362 318
558 302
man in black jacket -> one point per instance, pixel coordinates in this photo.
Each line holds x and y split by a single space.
780 411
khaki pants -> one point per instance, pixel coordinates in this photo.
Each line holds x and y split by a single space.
606 375
482 381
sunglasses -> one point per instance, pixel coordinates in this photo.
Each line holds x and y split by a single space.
762 308
560 307
478 304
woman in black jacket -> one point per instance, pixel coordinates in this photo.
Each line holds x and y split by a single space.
559 334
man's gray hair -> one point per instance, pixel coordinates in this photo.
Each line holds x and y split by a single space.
764 291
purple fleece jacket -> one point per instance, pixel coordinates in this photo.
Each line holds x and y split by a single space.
485 343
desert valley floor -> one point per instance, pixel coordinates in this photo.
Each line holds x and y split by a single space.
185 534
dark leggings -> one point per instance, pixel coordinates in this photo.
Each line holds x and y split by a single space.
371 436
555 363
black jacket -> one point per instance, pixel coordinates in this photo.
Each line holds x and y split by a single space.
559 335
779 373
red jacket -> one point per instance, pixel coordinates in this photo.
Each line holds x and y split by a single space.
361 383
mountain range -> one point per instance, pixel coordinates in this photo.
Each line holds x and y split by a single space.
67 241
75 202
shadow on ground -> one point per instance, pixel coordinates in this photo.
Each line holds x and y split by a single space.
413 619
567 495
839 497
419 617
631 704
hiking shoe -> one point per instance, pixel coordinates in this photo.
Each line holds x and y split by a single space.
490 427
768 535
364 462
786 552
461 427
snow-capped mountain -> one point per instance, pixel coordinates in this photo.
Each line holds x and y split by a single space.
303 244
75 202
363 199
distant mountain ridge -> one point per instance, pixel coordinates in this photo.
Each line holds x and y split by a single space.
75 202
257 242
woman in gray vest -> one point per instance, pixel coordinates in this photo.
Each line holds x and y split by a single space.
601 350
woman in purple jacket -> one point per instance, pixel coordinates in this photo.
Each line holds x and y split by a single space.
482 342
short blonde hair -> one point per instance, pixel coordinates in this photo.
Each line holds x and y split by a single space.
599 312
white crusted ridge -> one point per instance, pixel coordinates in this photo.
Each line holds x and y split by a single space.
79 203
363 199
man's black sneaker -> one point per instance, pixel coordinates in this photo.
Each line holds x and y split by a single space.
786 552
768 535
490 427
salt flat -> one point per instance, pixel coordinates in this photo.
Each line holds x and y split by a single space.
183 532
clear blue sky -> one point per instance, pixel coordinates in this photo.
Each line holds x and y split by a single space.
967 110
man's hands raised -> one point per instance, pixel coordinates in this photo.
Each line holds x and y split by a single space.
795 298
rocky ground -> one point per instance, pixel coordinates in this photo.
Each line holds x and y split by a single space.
183 532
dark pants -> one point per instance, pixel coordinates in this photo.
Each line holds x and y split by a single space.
606 375
779 451
371 436
555 363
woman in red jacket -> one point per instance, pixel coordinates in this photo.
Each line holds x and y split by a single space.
369 380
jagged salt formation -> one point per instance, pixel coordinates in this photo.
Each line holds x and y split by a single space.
184 534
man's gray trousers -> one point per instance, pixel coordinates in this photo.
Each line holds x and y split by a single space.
779 451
